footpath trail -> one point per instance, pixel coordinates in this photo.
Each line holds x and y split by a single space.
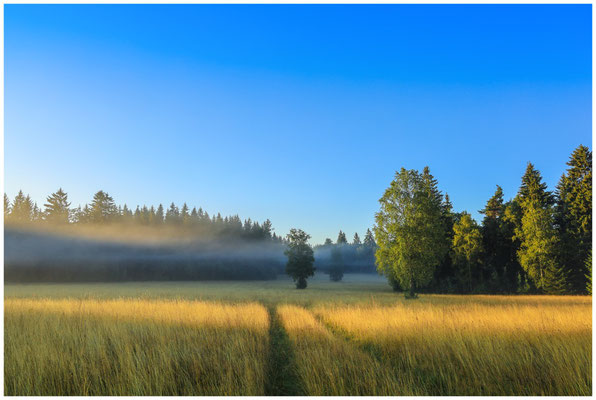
282 376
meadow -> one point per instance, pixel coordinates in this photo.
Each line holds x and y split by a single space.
354 337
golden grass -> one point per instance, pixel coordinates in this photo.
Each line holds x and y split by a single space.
349 338
328 365
499 345
134 347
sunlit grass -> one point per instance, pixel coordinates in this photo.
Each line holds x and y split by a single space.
349 338
134 347
328 365
488 345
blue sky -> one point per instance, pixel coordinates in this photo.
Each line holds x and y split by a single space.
300 114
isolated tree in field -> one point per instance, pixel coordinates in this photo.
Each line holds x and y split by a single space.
300 257
341 238
409 231
467 250
336 270
57 208
573 217
103 208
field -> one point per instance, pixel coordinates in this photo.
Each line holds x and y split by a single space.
355 337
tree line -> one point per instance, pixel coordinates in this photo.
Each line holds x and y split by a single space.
103 210
537 242
342 256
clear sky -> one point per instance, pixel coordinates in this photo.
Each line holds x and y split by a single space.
300 114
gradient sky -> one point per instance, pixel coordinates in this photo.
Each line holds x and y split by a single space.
300 114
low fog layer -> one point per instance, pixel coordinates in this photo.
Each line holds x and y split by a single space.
41 256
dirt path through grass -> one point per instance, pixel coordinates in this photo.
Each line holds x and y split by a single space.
282 377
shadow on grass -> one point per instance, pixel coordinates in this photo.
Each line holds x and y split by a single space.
282 376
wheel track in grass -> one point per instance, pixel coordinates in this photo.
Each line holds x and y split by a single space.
282 376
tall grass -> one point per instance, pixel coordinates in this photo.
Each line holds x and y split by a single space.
349 338
499 346
328 365
134 347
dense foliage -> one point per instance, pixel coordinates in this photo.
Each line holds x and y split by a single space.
538 242
300 257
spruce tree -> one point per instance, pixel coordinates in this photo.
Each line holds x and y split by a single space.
102 209
536 232
467 251
341 238
6 207
495 243
173 214
57 207
159 215
356 240
369 240
22 208
573 217
184 214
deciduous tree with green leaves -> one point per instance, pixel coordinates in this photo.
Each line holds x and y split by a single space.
409 231
301 258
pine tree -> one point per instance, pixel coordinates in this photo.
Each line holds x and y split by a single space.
495 243
514 275
356 240
159 215
36 214
184 214
369 239
57 208
444 275
137 215
173 214
341 238
7 207
538 243
103 209
267 228
152 215
573 217
467 250
22 208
